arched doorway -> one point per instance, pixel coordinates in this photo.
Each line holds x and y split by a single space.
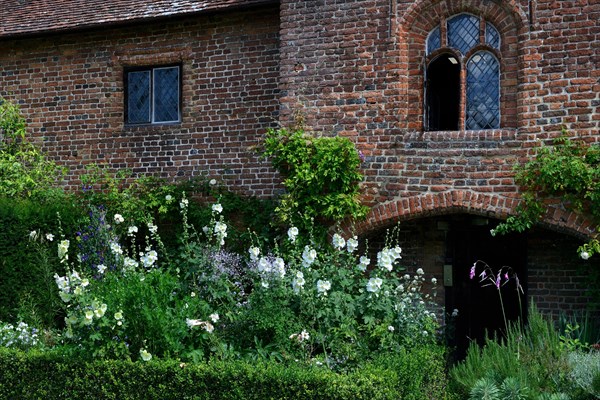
482 306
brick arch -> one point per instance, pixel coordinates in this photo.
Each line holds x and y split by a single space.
417 9
465 201
422 16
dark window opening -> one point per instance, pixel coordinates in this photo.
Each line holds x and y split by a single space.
443 94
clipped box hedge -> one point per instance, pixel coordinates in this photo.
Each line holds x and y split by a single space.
49 375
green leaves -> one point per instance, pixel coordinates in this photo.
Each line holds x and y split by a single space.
321 175
24 170
568 172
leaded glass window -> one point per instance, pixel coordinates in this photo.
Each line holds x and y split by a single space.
483 91
166 94
138 97
434 40
463 32
460 88
153 95
492 37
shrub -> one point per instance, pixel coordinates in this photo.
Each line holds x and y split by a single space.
24 170
126 298
321 176
26 288
52 375
586 371
532 355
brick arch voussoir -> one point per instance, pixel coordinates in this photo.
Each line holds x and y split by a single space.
417 11
464 201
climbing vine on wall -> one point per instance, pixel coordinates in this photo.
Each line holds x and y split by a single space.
568 171
321 176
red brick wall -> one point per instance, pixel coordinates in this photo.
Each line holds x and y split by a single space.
352 68
70 88
356 69
557 282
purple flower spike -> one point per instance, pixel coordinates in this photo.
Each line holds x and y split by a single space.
472 274
498 281
361 156
506 275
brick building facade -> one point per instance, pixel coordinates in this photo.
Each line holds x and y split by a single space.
364 69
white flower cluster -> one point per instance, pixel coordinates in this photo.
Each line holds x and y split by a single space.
152 228
292 234
300 337
149 258
387 257
298 282
95 310
271 266
364 262
374 284
71 285
116 248
323 287
220 231
309 255
339 243
207 326
145 355
21 336
130 263
254 253
119 317
63 250
217 208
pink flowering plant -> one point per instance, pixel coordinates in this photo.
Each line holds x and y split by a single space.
497 279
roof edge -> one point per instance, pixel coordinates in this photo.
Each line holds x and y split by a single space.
135 20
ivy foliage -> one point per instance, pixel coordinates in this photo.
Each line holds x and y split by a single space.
569 172
321 175
24 169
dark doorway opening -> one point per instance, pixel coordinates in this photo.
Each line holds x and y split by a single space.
478 303
443 93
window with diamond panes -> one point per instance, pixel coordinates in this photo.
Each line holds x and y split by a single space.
434 40
463 32
483 92
153 95
480 82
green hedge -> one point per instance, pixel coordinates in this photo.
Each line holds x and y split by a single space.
49 375
27 284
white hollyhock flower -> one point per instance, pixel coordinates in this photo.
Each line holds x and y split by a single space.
323 286
374 284
308 256
338 241
292 234
352 244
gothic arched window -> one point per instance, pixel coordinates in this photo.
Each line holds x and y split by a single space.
462 85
